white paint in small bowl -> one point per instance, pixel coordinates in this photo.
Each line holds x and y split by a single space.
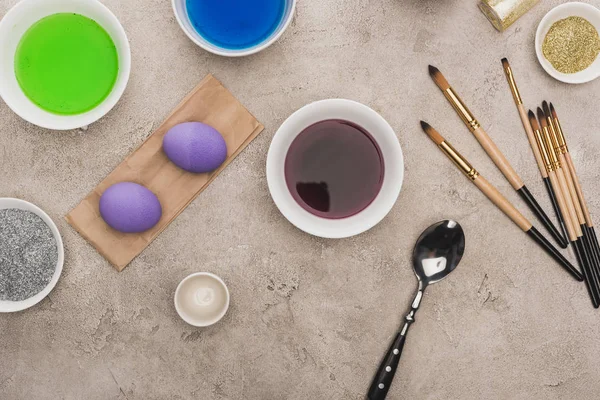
13 306
18 20
202 299
391 151
573 9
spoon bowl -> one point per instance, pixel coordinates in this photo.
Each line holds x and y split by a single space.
437 252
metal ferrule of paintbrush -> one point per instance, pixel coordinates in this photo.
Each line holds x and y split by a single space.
462 110
562 143
548 163
511 82
459 160
556 142
555 163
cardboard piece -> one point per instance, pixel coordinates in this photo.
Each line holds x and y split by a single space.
210 103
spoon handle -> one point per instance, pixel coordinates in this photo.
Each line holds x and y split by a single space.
387 369
385 374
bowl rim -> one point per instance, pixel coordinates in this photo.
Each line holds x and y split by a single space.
344 227
69 122
14 306
220 51
578 77
210 322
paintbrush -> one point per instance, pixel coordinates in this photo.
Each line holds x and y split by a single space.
544 141
525 120
574 188
500 201
494 153
589 225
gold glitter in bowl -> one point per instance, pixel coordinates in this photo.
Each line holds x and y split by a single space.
564 11
571 45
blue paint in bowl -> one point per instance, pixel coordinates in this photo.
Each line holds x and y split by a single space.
236 24
234 28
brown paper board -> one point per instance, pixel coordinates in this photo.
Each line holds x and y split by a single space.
210 103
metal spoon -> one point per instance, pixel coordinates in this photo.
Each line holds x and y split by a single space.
437 253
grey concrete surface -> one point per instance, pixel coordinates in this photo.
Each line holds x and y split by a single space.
310 318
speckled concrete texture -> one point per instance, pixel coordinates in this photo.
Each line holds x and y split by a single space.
310 318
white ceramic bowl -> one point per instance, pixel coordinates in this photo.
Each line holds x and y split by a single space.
196 321
12 306
12 27
181 14
393 160
573 9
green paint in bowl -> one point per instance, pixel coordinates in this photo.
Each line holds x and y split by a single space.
66 63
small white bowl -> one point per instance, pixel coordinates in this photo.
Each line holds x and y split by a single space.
574 9
180 307
12 306
391 151
12 27
181 14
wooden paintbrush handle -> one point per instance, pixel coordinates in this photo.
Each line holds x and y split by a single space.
532 141
562 205
572 215
496 155
502 203
584 207
571 189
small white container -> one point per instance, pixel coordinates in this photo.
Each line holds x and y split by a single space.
202 299
12 306
573 9
18 20
181 14
392 156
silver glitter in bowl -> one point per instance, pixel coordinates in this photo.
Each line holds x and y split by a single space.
28 254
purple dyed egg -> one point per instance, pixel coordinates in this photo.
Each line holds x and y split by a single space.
195 147
129 207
